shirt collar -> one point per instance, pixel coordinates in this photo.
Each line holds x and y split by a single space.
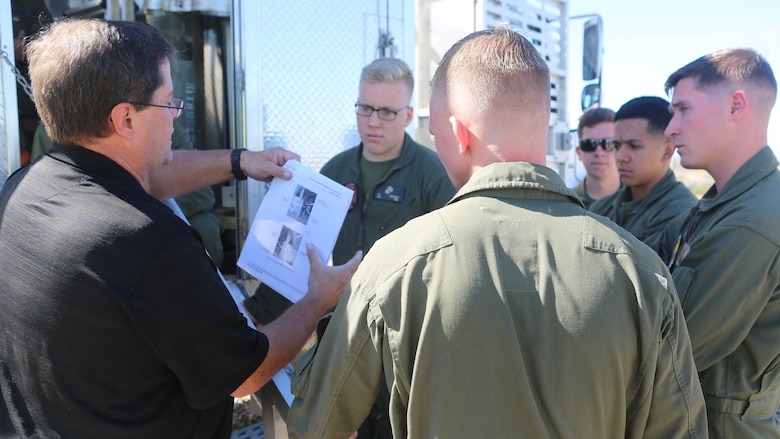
516 175
756 168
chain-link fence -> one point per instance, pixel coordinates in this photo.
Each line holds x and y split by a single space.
311 55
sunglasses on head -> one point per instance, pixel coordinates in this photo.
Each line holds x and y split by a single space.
589 145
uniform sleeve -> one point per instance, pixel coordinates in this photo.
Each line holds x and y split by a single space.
676 406
724 283
199 201
335 385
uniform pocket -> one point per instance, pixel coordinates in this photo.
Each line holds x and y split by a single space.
299 381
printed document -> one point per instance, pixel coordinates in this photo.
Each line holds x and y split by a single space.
308 208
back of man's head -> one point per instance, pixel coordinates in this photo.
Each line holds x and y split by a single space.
495 83
737 68
80 69
387 70
652 108
594 116
495 70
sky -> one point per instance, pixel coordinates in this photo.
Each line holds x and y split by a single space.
645 41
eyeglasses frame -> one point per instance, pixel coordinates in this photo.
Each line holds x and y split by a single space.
178 108
377 110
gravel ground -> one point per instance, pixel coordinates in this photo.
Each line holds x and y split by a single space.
246 412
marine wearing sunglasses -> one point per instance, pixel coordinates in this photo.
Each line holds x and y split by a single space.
590 145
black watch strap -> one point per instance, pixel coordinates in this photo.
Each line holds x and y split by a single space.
235 163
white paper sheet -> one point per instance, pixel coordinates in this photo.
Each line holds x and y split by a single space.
309 208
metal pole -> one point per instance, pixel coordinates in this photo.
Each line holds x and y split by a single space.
9 115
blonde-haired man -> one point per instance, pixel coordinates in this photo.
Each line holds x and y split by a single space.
394 178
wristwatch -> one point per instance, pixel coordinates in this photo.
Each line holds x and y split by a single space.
235 163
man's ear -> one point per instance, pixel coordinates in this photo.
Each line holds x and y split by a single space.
122 119
461 133
739 104
668 149
409 115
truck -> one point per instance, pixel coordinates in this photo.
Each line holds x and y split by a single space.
261 74
547 24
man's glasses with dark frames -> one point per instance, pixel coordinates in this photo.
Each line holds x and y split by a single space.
176 104
590 145
383 113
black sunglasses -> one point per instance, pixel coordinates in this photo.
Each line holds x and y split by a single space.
589 145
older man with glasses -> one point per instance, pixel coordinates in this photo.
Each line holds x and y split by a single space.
94 269
596 151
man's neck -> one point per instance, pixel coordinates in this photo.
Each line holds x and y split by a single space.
116 152
725 168
599 188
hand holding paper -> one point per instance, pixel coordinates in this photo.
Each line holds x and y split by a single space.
307 209
328 283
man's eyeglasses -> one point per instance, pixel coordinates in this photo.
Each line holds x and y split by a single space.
589 145
176 104
383 113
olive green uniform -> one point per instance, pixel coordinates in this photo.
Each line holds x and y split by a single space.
582 192
415 183
648 216
509 312
727 272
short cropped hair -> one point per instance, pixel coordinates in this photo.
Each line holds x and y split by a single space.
593 117
652 108
80 69
496 70
734 66
387 71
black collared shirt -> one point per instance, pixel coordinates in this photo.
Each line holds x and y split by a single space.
115 322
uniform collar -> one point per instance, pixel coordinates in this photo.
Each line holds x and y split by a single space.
755 169
516 175
664 184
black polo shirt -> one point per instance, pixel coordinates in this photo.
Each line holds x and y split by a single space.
115 322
